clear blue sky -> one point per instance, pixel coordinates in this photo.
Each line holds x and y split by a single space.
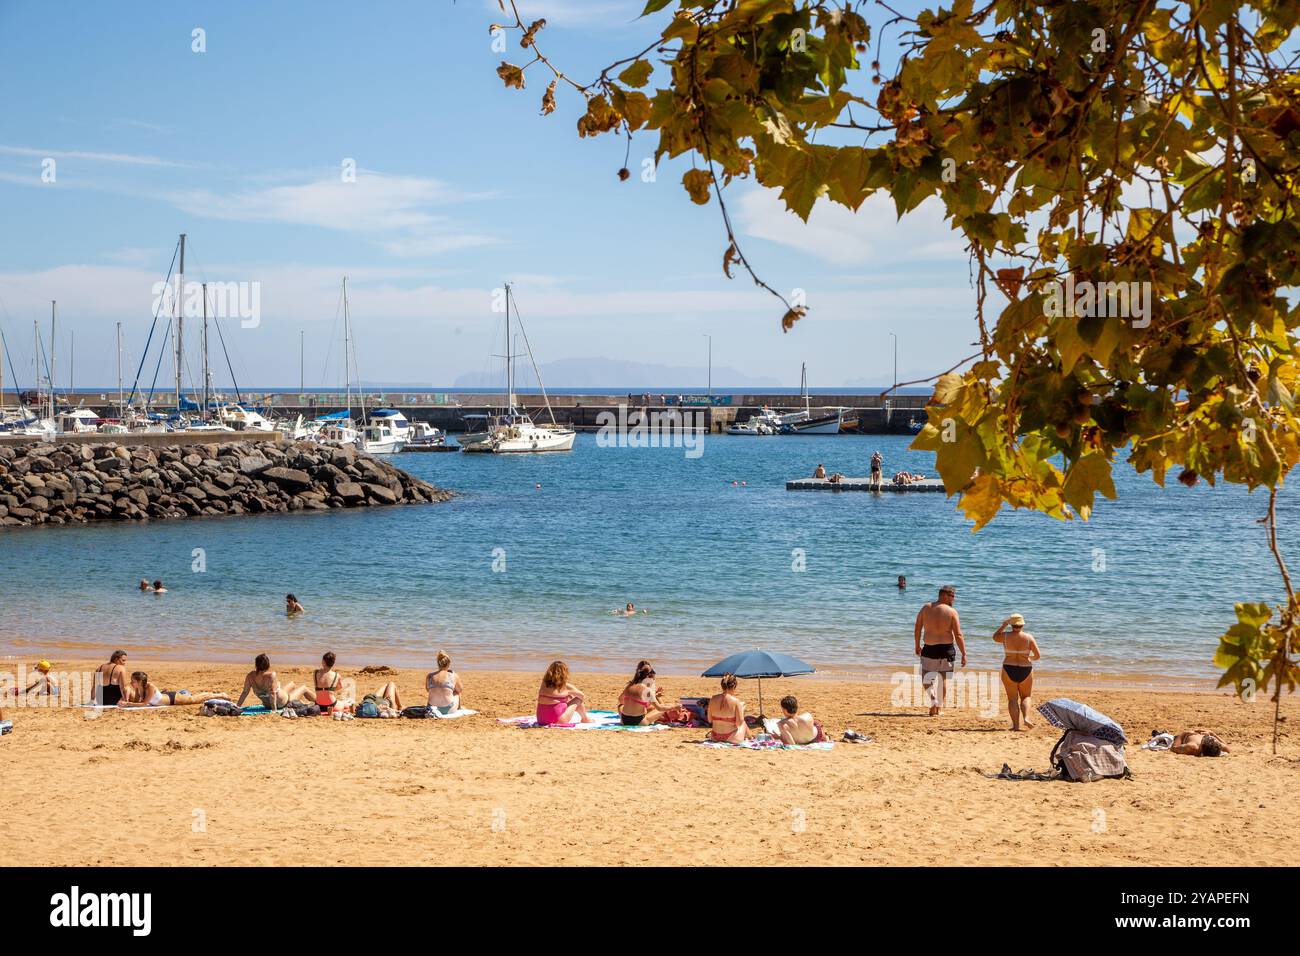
460 185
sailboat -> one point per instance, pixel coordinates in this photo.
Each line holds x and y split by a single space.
382 436
515 431
803 422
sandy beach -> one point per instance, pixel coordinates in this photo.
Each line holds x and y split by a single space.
174 788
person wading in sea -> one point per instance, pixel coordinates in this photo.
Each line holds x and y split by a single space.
938 639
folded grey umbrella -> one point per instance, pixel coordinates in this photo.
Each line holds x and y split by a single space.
1072 715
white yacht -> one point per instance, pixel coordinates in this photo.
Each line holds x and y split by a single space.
514 431
387 432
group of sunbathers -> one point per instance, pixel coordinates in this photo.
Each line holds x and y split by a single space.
559 701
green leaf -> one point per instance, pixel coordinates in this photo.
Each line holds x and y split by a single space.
638 74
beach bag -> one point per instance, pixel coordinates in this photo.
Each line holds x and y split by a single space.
303 709
367 708
219 708
419 710
1083 758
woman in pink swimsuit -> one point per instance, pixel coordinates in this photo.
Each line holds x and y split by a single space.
727 713
558 701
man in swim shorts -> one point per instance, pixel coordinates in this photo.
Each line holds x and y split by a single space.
938 640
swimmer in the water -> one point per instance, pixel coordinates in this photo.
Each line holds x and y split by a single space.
291 606
158 588
629 611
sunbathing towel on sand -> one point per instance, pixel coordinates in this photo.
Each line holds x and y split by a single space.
600 720
770 743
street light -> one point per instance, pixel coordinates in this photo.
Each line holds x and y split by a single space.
895 338
710 338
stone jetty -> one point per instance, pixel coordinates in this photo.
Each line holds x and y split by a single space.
76 483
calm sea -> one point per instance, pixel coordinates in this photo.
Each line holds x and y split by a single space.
529 561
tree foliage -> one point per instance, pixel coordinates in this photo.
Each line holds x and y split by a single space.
1124 173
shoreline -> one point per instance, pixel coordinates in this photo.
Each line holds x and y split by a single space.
13 653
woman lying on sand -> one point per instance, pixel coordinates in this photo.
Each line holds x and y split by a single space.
1018 668
727 713
143 693
1199 743
386 700
444 687
263 683
558 701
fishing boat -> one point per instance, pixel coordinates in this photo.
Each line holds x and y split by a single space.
514 431
426 437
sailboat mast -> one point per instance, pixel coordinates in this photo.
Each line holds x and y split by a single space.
803 384
207 370
179 312
54 310
510 361
347 347
120 412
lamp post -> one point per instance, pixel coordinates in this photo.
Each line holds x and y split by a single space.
710 338
895 338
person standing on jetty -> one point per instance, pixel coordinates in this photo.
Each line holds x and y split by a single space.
938 638
877 466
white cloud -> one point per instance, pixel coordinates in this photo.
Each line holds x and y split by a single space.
120 158
569 13
869 237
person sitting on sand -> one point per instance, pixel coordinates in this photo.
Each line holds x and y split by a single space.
820 472
44 685
640 699
796 728
327 681
386 700
444 687
144 693
158 588
558 701
263 683
1018 668
291 606
1199 743
726 713
110 681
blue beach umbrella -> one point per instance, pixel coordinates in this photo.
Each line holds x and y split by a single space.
1071 715
760 664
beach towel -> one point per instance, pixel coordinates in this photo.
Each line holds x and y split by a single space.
767 743
424 712
1159 741
600 720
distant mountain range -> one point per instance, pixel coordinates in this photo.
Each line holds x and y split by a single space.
618 373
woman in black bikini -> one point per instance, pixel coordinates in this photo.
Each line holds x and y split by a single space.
110 681
1018 668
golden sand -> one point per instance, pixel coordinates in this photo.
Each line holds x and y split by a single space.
172 787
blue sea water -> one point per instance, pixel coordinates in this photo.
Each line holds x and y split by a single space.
708 545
